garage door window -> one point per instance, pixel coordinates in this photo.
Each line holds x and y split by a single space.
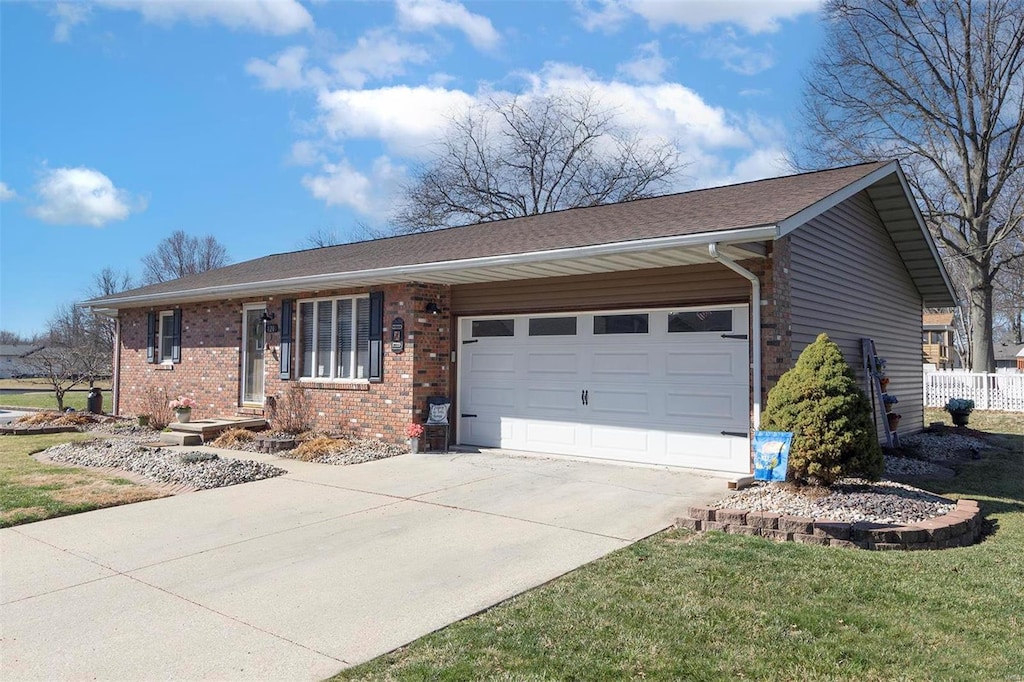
484 328
620 324
700 321
552 326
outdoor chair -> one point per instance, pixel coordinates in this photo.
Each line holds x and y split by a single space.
437 422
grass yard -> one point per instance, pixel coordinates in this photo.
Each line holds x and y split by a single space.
31 491
46 400
716 606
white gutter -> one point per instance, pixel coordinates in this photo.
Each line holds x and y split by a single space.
405 273
755 323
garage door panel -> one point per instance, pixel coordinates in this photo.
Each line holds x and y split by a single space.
620 440
549 363
552 433
483 397
620 362
555 399
492 362
706 364
611 402
716 405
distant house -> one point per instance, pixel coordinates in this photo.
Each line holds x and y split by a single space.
647 331
1009 357
12 360
937 341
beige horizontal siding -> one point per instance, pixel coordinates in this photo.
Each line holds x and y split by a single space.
690 285
848 281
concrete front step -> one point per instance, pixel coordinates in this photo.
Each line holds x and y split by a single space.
206 429
180 438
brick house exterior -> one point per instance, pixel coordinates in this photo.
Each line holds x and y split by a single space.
467 295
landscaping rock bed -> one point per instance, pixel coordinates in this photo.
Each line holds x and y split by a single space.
359 451
195 470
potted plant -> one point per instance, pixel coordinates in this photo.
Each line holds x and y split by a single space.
143 419
414 431
959 410
889 400
879 372
182 408
894 420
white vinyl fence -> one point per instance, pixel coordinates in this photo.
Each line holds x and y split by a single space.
988 391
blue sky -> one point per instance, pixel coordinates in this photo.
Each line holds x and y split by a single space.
263 121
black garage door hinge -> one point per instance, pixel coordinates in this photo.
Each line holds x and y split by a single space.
471 341
468 415
738 434
734 336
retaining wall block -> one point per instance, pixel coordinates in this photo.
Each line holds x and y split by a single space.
763 519
797 524
887 546
778 535
849 544
715 525
731 516
701 513
833 529
689 524
909 535
744 530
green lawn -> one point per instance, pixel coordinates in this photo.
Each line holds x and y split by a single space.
716 606
31 491
46 400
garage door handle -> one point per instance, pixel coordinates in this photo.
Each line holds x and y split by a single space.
738 434
468 415
585 397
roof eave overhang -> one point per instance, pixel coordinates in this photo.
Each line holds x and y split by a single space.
476 269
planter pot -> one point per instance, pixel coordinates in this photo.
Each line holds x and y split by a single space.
894 420
960 417
184 416
414 445
884 383
143 420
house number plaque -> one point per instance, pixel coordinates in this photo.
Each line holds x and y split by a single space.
397 335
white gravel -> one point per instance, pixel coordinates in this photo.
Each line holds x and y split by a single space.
161 465
360 451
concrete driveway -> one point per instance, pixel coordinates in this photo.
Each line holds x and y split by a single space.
300 576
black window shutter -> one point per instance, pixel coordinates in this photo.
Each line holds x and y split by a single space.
286 337
376 337
176 336
151 337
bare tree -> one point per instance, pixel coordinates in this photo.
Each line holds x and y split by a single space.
939 84
325 237
14 338
107 282
1009 292
76 351
524 156
180 255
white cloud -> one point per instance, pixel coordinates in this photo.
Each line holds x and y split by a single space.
404 118
339 184
287 71
378 55
648 66
305 153
755 16
742 59
82 196
274 17
421 15
6 193
66 16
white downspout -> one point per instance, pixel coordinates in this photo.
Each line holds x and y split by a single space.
755 323
115 379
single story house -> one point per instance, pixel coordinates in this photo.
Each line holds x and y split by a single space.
648 331
1009 357
12 359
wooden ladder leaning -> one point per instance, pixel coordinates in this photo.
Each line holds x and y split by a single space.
874 389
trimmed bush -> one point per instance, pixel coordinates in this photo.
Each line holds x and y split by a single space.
833 430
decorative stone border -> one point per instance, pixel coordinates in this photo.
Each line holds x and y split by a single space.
959 528
35 430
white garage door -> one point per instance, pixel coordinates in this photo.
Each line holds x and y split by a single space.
652 386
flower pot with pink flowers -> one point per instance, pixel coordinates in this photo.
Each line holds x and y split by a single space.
182 408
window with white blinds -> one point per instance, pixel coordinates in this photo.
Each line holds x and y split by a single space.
334 338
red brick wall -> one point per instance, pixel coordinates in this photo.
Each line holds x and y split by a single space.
210 367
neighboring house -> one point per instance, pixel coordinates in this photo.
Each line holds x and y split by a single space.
1009 357
646 331
937 341
12 360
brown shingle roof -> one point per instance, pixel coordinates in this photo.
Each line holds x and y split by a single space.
750 204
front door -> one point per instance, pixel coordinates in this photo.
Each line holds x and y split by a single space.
252 356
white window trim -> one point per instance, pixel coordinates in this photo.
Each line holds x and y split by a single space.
298 360
166 317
